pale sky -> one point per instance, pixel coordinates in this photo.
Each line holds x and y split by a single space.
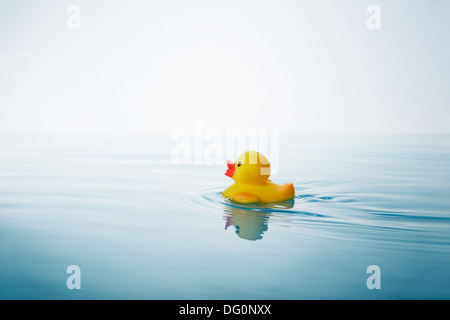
143 67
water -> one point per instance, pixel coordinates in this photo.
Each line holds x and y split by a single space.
141 227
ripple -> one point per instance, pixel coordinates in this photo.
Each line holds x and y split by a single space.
332 216
403 215
214 196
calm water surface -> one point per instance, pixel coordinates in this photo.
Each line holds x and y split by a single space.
141 227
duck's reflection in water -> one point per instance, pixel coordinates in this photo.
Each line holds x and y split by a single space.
251 223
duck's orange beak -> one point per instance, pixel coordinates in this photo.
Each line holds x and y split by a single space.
231 169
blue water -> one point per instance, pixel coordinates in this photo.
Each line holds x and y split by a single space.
141 227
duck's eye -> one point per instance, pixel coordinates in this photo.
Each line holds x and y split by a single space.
239 164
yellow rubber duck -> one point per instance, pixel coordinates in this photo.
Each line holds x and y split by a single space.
251 174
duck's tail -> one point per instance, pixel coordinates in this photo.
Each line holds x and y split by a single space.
290 190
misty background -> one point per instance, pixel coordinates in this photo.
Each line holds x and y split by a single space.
145 67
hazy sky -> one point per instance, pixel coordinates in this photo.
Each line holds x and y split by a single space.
139 67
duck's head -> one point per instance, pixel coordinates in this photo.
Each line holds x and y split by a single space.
251 167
